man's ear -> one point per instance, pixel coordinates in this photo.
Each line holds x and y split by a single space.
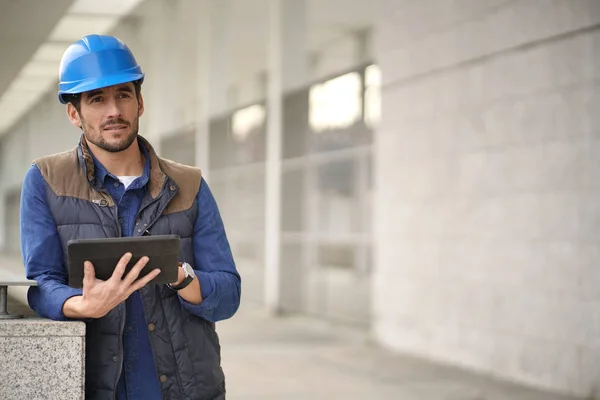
73 115
140 105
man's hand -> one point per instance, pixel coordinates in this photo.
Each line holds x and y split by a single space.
180 277
99 297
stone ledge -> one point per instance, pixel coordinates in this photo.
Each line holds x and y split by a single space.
41 327
42 359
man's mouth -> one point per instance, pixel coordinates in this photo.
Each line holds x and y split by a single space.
115 127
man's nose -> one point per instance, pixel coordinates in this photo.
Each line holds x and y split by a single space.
112 108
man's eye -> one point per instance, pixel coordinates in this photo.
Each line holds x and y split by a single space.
96 99
124 96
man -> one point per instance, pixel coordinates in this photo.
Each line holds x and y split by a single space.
142 341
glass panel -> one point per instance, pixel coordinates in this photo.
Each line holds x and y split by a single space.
293 193
336 256
295 124
336 117
248 201
338 206
293 277
219 143
247 141
372 96
336 103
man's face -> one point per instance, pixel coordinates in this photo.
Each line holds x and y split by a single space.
109 117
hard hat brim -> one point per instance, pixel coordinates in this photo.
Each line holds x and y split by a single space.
98 83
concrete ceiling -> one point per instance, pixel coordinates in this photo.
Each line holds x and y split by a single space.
24 26
33 36
327 22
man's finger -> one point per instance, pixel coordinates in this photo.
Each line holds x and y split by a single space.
89 275
135 271
120 268
144 281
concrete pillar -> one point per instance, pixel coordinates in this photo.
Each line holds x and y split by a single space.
287 70
213 73
164 99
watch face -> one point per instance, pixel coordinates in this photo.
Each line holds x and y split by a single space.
187 268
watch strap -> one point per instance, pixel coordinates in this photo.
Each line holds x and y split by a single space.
185 283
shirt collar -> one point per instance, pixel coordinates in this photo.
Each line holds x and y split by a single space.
101 172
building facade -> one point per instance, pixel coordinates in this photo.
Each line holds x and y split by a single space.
427 170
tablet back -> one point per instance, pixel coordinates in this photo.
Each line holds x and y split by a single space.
104 254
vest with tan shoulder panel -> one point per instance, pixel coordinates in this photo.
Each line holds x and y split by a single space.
185 347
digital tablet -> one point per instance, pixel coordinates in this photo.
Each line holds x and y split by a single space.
104 254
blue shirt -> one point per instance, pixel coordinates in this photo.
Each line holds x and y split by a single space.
43 259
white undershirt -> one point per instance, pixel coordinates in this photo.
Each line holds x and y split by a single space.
127 180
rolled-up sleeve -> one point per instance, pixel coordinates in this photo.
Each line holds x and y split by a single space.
220 282
42 251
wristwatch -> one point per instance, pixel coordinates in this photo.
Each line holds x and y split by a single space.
189 276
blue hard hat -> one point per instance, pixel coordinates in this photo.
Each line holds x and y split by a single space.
94 62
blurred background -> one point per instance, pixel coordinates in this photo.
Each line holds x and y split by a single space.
398 178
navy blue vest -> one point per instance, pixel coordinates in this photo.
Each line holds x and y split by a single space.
185 347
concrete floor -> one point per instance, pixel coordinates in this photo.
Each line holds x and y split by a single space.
299 358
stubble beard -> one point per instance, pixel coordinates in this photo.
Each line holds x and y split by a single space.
97 139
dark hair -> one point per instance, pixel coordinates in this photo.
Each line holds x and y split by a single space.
75 99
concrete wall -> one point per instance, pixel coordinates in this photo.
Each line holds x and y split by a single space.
488 187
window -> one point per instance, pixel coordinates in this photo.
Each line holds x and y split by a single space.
336 104
247 120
